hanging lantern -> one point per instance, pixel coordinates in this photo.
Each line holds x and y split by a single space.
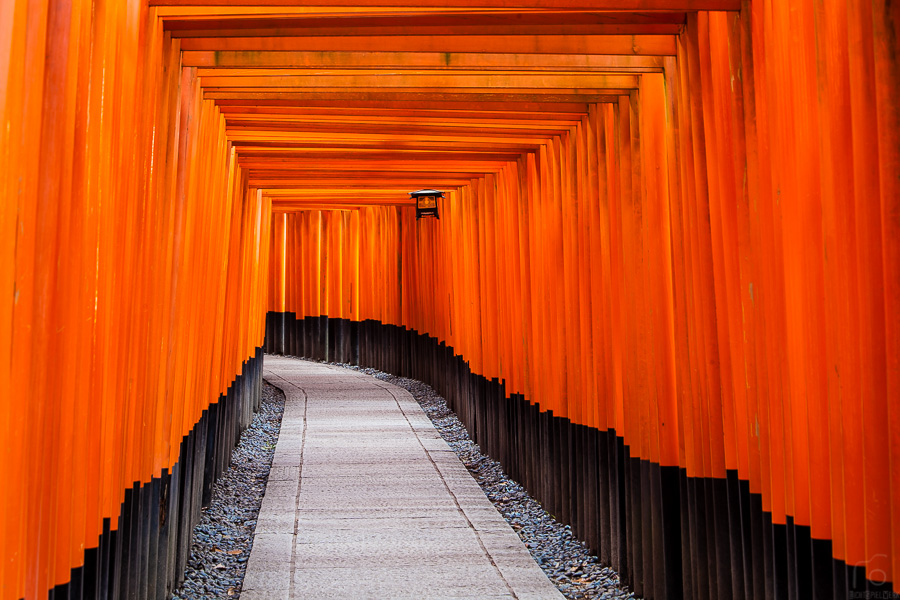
426 203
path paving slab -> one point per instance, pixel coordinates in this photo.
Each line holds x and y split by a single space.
365 500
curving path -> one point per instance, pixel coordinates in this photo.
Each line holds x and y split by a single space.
365 500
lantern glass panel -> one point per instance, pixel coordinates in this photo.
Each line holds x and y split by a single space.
427 203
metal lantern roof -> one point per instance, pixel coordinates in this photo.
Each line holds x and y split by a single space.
426 193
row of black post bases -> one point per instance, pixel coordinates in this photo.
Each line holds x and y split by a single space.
144 555
668 536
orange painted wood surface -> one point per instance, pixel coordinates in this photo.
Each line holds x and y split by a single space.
703 265
133 272
674 219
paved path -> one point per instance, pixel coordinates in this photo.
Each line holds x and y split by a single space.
365 500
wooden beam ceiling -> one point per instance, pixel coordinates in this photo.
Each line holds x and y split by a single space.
344 103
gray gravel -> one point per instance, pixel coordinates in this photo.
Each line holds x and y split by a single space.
567 561
224 536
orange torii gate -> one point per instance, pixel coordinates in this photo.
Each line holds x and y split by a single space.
664 288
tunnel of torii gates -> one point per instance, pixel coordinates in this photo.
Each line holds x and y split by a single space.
663 290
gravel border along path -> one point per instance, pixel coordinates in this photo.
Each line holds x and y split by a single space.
566 560
224 536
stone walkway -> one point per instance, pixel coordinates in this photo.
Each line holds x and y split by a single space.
365 500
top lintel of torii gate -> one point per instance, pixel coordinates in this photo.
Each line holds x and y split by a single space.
593 5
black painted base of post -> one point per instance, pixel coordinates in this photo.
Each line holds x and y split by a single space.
669 536
144 555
